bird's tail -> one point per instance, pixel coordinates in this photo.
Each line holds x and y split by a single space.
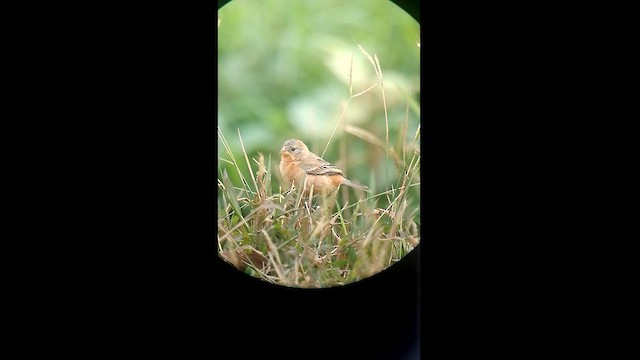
355 185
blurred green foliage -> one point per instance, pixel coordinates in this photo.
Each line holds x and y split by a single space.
283 72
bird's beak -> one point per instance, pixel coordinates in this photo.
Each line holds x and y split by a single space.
282 150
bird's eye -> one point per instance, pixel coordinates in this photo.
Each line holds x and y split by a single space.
294 148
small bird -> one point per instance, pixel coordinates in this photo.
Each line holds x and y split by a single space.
298 163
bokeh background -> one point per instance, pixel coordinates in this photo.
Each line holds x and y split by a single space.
283 72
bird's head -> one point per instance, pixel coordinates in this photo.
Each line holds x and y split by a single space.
293 148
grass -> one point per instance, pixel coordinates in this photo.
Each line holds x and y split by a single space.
285 238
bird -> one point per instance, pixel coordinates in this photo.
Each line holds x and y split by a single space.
297 163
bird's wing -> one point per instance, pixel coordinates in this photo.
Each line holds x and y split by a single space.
323 168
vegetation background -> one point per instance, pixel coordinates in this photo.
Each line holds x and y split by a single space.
285 69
